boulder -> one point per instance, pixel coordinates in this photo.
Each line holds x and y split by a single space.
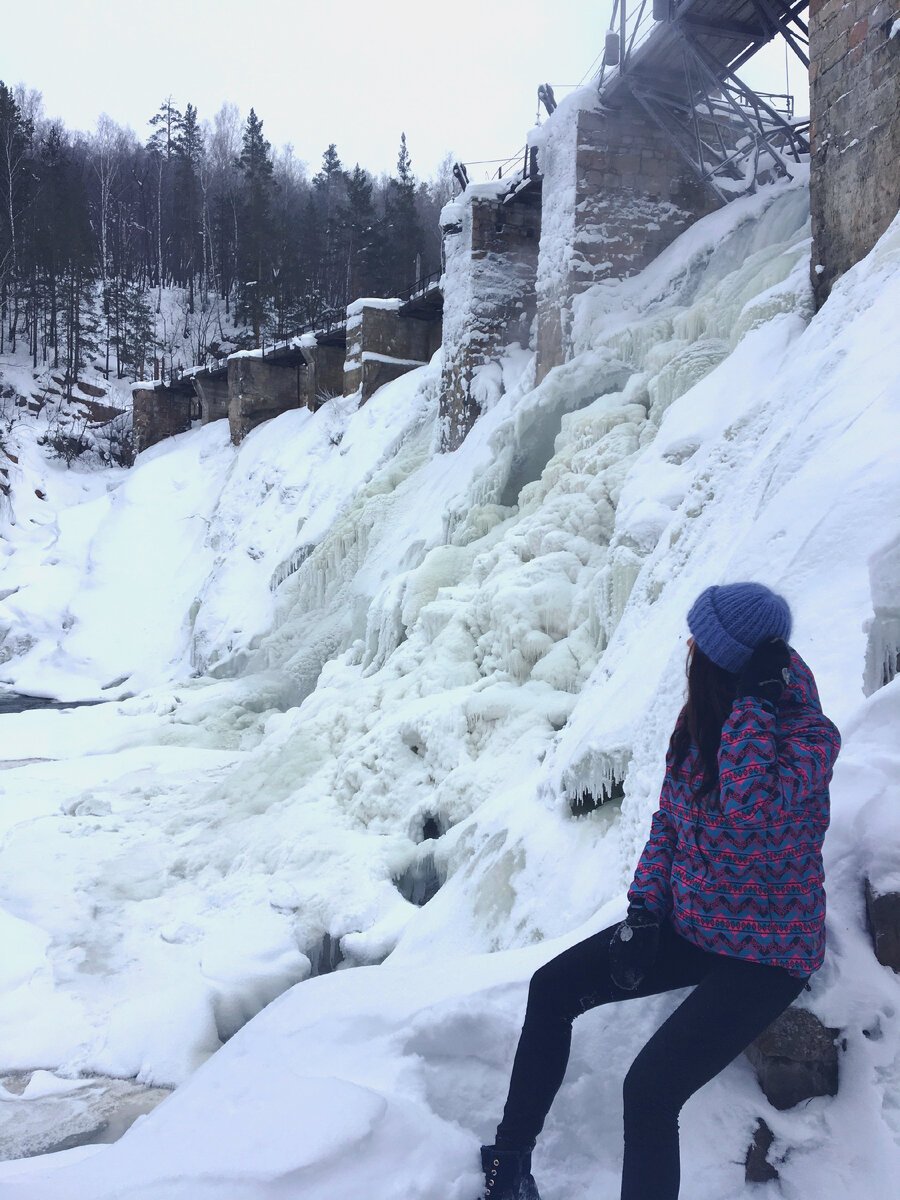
795 1059
883 913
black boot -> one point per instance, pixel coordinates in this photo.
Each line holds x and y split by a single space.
507 1174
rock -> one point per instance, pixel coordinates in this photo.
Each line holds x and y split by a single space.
90 389
883 912
757 1168
795 1059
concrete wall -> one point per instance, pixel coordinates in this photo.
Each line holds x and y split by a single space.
160 412
616 193
259 389
325 373
212 391
382 345
855 132
491 252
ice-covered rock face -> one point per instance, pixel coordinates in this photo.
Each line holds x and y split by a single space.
389 640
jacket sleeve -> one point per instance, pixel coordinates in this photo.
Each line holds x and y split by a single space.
651 878
769 763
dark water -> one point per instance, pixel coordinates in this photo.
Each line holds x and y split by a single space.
13 702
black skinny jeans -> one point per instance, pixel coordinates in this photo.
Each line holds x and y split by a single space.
733 1001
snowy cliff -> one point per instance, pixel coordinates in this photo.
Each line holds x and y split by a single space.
343 672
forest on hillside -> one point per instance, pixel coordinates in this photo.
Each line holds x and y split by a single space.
95 227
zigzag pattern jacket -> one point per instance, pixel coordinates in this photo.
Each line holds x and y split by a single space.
740 872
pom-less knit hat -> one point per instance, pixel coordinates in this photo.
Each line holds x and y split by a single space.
728 621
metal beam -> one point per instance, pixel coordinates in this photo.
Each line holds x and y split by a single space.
735 29
780 16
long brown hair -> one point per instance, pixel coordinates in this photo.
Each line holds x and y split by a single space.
711 692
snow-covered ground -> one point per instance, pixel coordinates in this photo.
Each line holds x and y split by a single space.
335 665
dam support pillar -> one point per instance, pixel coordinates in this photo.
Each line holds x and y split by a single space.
491 236
259 389
160 411
615 194
382 345
212 390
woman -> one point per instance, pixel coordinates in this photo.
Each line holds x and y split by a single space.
727 898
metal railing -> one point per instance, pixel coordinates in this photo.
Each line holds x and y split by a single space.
328 321
627 30
420 287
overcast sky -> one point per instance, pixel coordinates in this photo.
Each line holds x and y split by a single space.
457 77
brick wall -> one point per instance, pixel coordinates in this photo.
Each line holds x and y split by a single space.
855 133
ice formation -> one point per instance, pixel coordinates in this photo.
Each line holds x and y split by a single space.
373 711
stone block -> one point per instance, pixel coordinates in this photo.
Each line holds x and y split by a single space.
835 52
326 373
883 914
795 1059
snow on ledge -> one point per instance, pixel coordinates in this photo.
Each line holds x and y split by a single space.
357 306
372 356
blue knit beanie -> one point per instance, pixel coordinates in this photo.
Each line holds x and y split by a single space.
728 621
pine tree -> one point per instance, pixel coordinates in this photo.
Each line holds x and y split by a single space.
134 339
167 123
402 235
189 151
15 177
255 265
362 234
162 144
331 192
65 255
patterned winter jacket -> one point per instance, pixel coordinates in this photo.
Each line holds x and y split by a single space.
740 872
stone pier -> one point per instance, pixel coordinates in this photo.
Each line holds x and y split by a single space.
161 410
615 194
262 388
491 238
855 131
383 344
325 368
212 391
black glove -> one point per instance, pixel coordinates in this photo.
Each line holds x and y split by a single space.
633 948
766 673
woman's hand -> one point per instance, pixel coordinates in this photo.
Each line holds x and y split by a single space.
633 947
766 673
